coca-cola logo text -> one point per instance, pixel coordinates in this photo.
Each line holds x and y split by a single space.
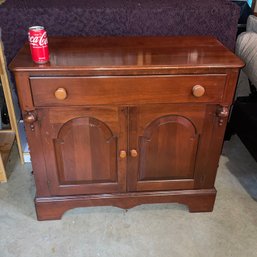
38 40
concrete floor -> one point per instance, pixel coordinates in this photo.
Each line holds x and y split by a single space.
148 230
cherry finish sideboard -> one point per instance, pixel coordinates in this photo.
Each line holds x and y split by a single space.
124 121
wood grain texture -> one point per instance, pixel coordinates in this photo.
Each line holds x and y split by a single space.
87 139
168 148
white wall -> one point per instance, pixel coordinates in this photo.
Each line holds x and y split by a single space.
255 8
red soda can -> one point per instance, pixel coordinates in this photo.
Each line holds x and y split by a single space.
38 44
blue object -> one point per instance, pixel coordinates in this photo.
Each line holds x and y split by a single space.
250 2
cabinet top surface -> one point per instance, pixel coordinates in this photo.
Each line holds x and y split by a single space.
129 53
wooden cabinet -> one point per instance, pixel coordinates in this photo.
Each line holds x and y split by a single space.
142 122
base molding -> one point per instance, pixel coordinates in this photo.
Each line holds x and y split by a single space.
52 208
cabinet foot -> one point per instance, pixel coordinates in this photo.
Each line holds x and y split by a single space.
201 205
52 208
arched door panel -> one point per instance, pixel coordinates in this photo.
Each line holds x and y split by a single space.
86 152
168 149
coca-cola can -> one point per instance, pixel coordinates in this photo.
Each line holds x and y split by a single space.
38 44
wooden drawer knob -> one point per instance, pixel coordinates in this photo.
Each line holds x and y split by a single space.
198 90
133 153
123 154
61 93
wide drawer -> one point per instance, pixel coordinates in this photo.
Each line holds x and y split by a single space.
58 91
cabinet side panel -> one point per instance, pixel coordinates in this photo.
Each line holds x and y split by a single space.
210 147
24 91
230 87
33 136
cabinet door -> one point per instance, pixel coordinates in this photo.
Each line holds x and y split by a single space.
166 142
81 147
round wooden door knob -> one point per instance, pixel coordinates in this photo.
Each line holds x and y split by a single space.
123 154
133 153
198 91
61 93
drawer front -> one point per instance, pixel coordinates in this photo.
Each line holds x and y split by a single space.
58 91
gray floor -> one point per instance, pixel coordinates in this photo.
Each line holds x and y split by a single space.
149 230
